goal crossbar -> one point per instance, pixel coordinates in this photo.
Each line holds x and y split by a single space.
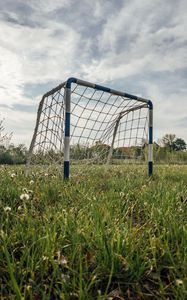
65 101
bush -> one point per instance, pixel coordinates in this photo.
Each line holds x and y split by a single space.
6 158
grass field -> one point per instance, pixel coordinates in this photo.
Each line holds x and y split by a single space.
106 234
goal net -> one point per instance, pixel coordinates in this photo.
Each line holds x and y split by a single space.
85 123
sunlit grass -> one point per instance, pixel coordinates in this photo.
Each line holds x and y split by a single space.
108 233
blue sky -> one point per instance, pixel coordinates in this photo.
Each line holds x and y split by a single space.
135 46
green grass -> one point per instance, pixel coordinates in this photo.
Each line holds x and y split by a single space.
108 233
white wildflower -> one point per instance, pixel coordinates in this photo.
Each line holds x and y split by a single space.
45 257
7 209
31 182
65 278
179 282
24 196
63 261
74 295
19 207
13 175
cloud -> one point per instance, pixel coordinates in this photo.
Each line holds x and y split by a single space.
16 12
34 61
136 46
132 43
21 123
182 122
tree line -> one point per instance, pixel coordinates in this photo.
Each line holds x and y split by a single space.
169 149
10 154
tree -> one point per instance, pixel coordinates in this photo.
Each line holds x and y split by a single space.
179 144
6 158
4 137
10 154
168 141
13 154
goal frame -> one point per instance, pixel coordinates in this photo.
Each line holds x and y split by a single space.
67 118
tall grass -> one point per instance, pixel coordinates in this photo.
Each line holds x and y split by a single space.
106 234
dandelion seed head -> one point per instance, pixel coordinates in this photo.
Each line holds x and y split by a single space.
65 277
24 196
60 258
63 261
7 209
179 282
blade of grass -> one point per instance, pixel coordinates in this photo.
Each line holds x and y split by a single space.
15 286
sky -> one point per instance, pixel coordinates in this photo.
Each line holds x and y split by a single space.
139 47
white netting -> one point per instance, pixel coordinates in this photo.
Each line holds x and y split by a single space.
104 128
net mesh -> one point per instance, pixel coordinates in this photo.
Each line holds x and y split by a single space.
104 128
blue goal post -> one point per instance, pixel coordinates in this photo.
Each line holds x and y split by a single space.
79 121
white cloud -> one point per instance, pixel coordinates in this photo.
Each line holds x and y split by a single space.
136 38
37 56
130 44
20 123
11 77
45 6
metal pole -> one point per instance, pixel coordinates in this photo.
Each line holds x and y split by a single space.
150 146
67 131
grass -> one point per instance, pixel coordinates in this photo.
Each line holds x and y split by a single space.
106 234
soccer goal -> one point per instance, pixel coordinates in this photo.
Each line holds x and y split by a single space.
86 123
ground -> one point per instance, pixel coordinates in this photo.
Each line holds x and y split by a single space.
107 233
